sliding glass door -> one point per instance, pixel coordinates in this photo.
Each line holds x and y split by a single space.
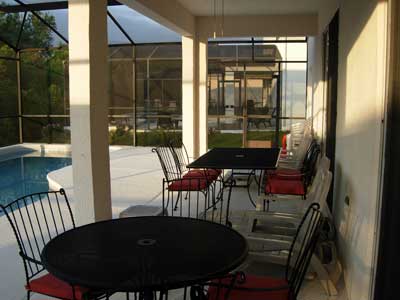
243 105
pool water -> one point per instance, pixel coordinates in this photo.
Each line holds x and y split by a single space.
26 175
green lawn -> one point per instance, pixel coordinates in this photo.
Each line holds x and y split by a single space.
218 139
215 139
148 138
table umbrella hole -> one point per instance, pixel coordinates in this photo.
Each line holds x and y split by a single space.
146 242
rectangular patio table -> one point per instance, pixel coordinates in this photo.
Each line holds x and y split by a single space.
238 159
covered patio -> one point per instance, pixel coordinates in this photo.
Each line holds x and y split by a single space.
135 180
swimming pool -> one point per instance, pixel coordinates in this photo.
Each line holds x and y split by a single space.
26 175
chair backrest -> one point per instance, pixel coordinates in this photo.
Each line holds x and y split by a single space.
308 154
297 135
324 163
309 165
317 182
36 219
308 127
168 162
326 185
321 181
302 248
301 151
314 191
180 154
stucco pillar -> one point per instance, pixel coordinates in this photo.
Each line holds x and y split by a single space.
203 95
194 95
189 95
88 80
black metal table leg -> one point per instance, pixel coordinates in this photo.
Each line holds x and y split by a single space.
231 184
251 174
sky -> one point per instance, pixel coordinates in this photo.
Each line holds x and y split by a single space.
139 27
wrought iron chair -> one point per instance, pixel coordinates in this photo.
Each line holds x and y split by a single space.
244 286
292 182
176 182
36 219
182 160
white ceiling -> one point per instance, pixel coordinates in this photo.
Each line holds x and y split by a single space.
252 7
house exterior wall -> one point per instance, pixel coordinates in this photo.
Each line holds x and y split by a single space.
359 132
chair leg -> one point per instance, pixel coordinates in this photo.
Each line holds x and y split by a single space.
177 201
28 296
186 196
265 207
214 188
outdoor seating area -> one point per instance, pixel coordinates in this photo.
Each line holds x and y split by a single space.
41 223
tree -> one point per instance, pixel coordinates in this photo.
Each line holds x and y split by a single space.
42 78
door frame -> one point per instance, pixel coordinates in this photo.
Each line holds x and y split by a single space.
387 259
330 78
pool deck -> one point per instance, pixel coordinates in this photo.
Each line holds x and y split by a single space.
136 179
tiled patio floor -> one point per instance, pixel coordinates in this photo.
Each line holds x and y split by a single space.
136 179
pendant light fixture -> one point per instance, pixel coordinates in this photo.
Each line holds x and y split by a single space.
215 19
218 25
222 17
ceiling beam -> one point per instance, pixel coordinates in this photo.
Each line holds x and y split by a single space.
43 6
259 26
169 13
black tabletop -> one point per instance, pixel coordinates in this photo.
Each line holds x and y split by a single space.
144 253
238 158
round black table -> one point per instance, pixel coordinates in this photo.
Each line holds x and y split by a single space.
144 253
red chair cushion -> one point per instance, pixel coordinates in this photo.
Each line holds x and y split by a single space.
52 286
190 184
281 173
277 185
252 281
209 174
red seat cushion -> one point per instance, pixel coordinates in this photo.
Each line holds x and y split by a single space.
190 184
277 185
252 281
210 174
52 286
291 174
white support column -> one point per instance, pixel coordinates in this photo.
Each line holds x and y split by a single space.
88 80
194 95
203 95
190 95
